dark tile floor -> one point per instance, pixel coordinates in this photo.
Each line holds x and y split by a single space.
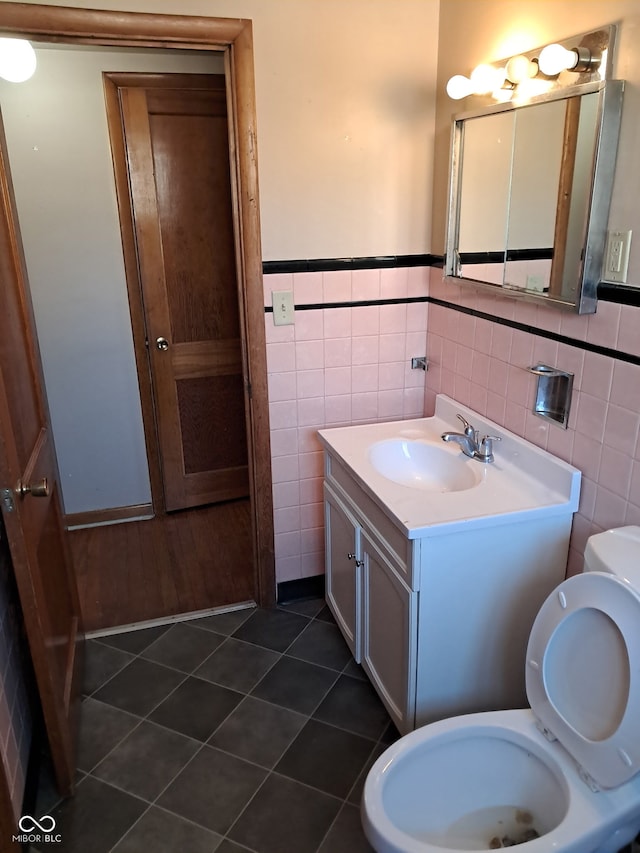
245 731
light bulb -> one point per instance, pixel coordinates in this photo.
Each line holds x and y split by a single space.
459 87
520 68
17 60
555 58
486 79
503 95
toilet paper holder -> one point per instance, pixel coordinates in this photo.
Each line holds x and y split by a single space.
553 394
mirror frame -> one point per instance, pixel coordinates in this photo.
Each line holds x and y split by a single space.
589 273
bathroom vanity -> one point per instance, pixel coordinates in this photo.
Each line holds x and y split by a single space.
436 564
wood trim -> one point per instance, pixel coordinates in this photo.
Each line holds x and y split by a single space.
234 36
242 126
166 80
113 515
95 26
563 206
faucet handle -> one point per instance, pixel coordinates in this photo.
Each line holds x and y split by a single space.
485 450
468 429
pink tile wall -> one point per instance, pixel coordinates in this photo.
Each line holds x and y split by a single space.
483 365
334 367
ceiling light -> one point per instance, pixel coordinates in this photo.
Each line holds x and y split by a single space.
17 60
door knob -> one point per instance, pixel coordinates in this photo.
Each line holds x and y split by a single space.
162 344
36 490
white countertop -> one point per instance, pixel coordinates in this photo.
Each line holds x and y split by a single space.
522 482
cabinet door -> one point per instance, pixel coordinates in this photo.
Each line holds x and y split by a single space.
389 642
343 569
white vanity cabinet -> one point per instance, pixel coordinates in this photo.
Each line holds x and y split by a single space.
389 633
343 570
439 620
372 605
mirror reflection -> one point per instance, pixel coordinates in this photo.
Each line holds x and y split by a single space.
530 195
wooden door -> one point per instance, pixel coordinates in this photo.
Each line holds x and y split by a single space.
177 147
30 502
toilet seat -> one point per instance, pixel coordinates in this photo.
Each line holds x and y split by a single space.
583 660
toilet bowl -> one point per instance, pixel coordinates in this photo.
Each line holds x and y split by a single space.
561 776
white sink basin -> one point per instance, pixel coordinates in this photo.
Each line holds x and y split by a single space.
423 465
428 487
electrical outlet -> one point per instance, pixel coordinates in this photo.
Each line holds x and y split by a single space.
616 256
282 301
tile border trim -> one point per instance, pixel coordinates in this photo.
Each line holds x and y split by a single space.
543 333
618 293
339 264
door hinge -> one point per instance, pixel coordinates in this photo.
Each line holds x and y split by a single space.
6 497
249 390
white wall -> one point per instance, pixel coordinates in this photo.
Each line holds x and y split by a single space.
345 103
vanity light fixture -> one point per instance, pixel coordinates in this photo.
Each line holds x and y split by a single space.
515 76
17 60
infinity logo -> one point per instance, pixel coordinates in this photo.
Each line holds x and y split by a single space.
46 824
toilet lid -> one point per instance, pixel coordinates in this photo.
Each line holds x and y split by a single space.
582 673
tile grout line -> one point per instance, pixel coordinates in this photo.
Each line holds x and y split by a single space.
269 771
202 744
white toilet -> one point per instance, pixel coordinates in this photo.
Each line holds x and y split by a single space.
488 780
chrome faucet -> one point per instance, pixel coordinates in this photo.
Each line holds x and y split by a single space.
470 442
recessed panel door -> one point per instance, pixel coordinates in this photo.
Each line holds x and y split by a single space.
177 145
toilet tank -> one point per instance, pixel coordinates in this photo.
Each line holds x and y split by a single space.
617 552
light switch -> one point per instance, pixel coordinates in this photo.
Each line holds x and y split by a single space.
616 259
282 301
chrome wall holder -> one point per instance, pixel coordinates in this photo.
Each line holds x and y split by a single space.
553 394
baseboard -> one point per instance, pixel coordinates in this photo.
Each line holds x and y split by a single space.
296 590
168 620
113 515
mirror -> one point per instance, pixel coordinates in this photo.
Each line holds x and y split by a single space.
530 191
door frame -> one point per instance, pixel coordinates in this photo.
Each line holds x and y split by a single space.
234 38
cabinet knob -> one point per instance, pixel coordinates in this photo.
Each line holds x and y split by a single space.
358 562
